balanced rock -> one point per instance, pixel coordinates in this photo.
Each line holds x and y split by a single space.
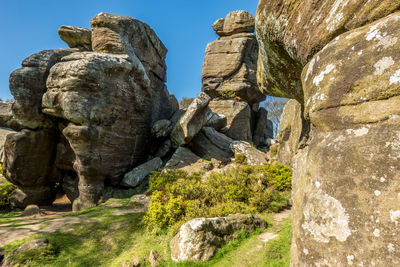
76 37
138 174
230 63
196 116
238 118
199 239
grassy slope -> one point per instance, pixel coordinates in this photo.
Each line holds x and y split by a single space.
110 240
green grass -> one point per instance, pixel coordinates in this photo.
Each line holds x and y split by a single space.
278 250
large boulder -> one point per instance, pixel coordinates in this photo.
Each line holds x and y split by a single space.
291 32
196 116
29 156
346 178
199 239
235 22
291 128
238 118
230 63
210 144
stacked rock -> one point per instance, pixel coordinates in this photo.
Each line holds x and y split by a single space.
229 77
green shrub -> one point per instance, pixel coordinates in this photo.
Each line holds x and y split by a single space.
240 158
178 197
6 188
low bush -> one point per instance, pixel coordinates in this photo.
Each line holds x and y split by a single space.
6 189
178 197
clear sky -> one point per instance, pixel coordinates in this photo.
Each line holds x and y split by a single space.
184 26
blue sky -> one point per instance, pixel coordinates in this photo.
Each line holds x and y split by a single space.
184 26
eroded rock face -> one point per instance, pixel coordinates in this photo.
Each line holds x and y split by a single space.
199 239
346 179
291 129
291 32
230 63
99 105
28 84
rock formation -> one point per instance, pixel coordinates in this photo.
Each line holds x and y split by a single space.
340 60
99 112
230 63
90 111
199 239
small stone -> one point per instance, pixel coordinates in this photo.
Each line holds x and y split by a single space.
154 258
31 210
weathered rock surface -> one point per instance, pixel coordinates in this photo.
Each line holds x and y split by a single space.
161 128
253 155
103 102
199 239
290 132
186 160
209 144
29 156
291 32
196 116
261 121
230 63
28 84
76 37
137 175
3 134
238 118
346 177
